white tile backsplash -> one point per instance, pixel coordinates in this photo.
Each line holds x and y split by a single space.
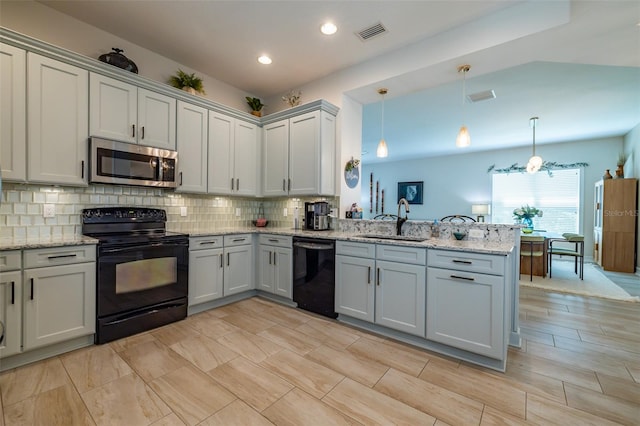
22 208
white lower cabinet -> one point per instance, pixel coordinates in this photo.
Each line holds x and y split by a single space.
219 266
206 269
59 303
466 301
11 302
275 265
238 264
373 288
53 299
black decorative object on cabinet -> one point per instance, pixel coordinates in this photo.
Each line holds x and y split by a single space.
116 58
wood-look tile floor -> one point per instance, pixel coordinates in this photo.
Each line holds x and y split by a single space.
258 363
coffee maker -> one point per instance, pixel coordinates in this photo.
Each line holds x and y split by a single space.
316 215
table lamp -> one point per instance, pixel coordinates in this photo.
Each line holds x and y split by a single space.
480 210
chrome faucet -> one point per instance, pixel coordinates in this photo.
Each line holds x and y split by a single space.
402 220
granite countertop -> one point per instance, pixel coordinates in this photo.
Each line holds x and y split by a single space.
33 243
478 246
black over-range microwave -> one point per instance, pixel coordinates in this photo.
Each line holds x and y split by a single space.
130 164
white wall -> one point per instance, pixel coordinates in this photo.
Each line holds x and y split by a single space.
43 23
452 183
632 169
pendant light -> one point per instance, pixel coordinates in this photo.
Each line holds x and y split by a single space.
382 150
535 162
463 139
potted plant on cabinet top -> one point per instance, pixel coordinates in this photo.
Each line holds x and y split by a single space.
187 82
256 106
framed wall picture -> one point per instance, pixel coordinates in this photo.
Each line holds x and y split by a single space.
411 191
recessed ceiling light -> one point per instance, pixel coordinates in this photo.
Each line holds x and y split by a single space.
328 28
264 60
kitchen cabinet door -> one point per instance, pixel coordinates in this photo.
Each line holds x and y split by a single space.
238 271
266 278
58 121
206 274
113 109
283 272
156 120
275 143
304 151
59 303
221 136
192 124
11 312
466 310
13 118
400 296
355 287
275 270
245 158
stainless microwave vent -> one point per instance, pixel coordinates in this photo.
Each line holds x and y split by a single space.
372 31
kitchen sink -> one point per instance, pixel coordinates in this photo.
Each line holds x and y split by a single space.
394 237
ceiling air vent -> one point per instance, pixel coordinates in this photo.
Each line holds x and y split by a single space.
481 96
372 31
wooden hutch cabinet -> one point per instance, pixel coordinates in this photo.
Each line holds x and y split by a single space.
614 224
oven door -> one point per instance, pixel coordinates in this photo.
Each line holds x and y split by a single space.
132 277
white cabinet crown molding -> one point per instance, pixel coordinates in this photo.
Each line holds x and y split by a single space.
64 55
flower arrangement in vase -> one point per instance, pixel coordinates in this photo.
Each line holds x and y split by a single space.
292 98
622 158
525 215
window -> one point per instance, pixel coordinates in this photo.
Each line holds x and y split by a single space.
558 196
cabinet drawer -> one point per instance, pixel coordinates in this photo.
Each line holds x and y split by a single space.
38 258
349 248
10 260
201 243
237 240
469 262
275 240
413 255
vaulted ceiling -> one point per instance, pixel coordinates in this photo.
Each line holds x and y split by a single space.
581 77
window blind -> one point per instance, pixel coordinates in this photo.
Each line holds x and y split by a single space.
558 196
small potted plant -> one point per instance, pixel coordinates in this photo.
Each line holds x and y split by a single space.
256 106
187 82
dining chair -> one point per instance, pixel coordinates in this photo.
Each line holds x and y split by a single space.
577 252
535 248
457 218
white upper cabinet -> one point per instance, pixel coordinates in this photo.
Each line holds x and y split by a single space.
275 159
233 154
156 120
123 112
192 148
57 116
113 109
299 155
13 119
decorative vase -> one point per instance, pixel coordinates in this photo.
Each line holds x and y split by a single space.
607 175
620 172
528 223
190 90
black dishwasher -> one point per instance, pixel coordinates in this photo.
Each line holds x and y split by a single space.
314 275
